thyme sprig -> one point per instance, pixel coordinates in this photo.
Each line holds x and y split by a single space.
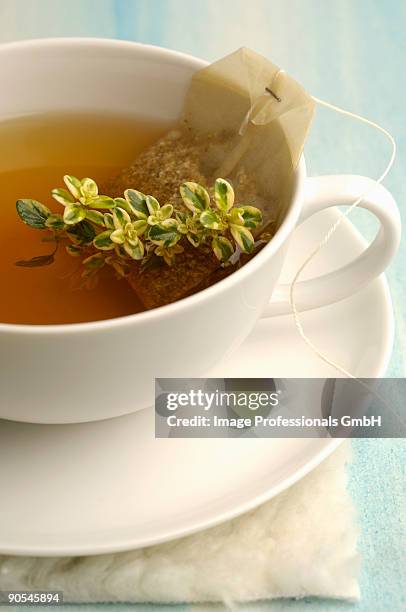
117 231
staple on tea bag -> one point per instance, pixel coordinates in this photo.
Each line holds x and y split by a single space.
244 120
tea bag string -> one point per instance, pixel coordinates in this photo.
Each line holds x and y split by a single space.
241 145
326 239
333 229
271 91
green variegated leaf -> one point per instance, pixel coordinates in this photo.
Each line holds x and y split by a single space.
223 195
153 220
122 203
73 214
194 196
137 202
95 217
152 204
211 220
88 188
166 212
169 224
55 222
222 247
169 253
62 196
74 185
108 220
134 251
236 217
131 235
103 241
94 262
164 235
119 266
140 227
103 202
120 217
33 213
36 262
118 236
73 249
82 233
194 239
181 217
118 248
252 216
243 238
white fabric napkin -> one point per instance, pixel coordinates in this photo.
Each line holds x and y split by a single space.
301 543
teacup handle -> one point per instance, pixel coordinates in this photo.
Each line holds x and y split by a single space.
321 193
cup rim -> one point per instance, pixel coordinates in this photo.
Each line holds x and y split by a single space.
287 225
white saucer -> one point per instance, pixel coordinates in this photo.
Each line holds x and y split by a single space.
109 486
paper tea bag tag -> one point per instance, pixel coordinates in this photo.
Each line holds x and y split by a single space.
221 95
265 113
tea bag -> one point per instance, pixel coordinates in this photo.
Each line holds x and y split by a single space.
244 120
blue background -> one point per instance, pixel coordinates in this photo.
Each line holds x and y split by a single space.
352 53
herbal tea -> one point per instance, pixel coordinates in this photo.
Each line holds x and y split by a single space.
37 151
166 249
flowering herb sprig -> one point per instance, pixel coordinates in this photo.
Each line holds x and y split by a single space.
118 231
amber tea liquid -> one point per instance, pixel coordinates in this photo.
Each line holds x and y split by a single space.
36 151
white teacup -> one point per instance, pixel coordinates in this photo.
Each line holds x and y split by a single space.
105 369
